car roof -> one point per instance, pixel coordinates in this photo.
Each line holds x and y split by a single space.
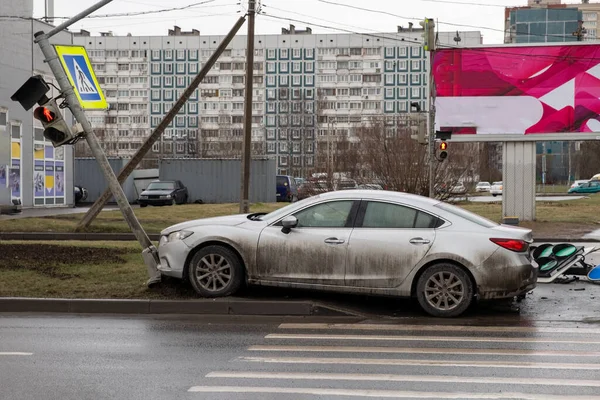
379 195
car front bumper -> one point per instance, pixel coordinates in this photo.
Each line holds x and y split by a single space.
172 256
155 202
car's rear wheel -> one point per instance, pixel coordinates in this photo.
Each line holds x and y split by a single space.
215 271
143 205
444 290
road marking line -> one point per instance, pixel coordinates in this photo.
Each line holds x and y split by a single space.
14 353
398 394
432 363
445 328
309 336
401 378
427 350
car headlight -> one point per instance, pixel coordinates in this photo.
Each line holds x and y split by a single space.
168 196
143 196
179 235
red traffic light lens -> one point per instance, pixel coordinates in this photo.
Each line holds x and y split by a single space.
443 146
44 114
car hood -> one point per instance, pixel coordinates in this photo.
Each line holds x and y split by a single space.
230 220
157 192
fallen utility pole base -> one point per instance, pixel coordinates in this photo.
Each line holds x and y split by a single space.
150 256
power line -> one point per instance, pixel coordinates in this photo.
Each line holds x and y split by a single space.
440 22
133 13
397 38
156 21
466 3
468 49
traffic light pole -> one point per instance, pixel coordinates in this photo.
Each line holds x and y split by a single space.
149 253
431 132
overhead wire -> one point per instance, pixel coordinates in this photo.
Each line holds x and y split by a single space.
489 49
371 10
466 3
196 5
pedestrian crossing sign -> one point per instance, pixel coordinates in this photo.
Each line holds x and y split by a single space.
78 67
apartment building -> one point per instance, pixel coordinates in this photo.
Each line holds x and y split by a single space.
309 90
32 172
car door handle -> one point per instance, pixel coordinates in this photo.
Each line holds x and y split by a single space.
419 241
333 240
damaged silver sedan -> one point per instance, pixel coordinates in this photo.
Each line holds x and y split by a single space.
356 241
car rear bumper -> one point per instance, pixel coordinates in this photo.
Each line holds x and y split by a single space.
516 280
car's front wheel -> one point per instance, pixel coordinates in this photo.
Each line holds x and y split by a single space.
444 290
215 271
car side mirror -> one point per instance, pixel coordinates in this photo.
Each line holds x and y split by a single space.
288 223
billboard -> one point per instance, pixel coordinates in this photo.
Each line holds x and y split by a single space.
544 92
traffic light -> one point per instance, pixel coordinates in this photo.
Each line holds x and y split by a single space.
56 129
428 34
443 150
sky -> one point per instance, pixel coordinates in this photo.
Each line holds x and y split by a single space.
216 17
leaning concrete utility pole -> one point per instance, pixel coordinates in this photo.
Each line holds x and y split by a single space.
247 142
158 131
149 253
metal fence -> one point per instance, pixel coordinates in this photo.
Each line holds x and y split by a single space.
88 175
219 180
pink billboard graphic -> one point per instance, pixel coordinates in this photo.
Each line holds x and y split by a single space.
518 90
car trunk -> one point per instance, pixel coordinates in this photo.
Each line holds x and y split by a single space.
513 232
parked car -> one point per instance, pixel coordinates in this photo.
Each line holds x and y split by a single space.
459 188
401 246
80 194
311 188
483 187
579 182
496 189
287 190
344 184
587 187
162 193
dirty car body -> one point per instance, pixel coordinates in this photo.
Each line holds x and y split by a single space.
359 241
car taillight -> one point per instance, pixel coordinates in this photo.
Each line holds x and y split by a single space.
511 244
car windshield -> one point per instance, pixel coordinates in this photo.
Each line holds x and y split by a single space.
285 210
161 186
468 215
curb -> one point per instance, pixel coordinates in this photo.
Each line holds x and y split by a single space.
72 236
148 306
59 236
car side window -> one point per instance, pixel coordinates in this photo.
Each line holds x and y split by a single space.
333 214
595 184
385 215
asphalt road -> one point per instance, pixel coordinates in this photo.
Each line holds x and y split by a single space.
105 357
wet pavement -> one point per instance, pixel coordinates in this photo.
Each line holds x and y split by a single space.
575 301
107 357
